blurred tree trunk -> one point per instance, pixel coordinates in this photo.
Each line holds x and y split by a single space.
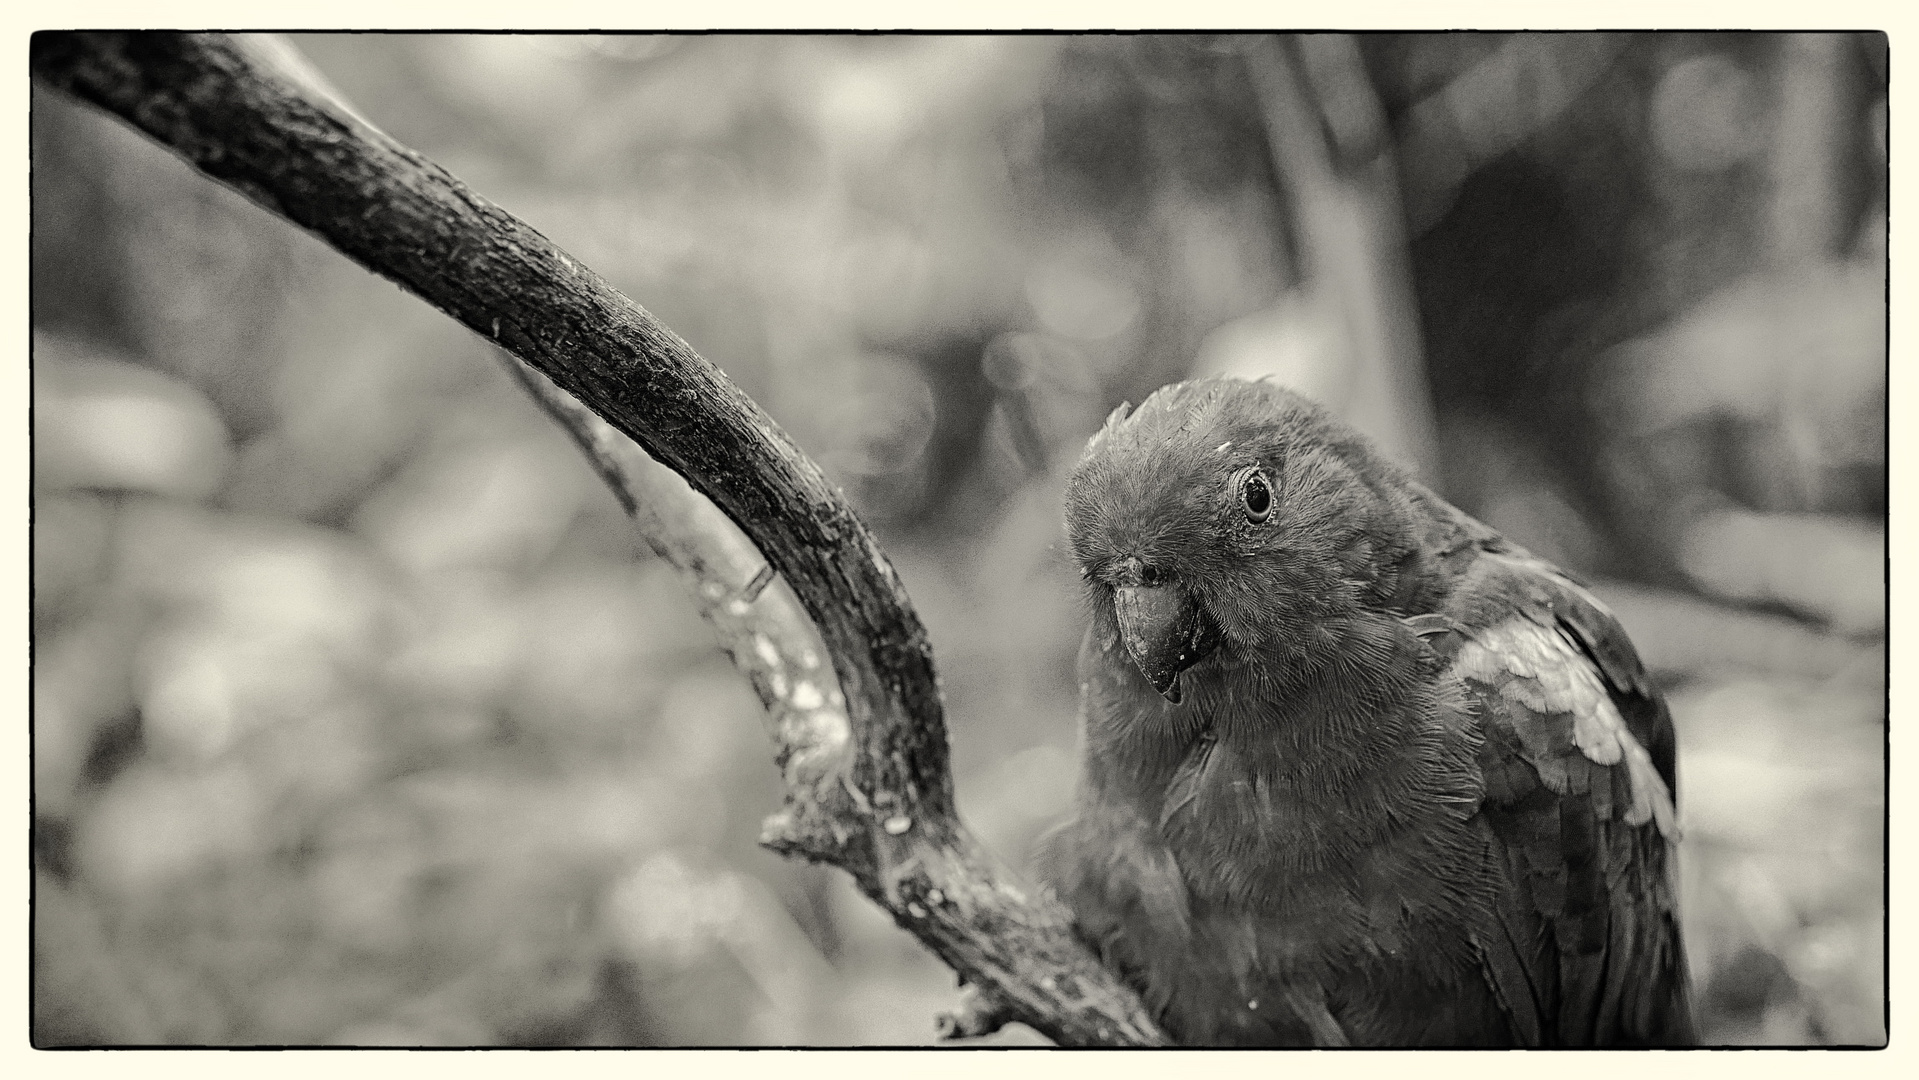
1332 152
1803 217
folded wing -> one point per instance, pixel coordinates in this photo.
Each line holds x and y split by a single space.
1578 755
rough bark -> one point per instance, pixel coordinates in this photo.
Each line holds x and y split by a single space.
869 789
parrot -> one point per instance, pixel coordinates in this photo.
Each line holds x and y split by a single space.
1354 769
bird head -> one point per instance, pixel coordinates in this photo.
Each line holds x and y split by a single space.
1232 521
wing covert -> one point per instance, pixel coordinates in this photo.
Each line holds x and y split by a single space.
1578 764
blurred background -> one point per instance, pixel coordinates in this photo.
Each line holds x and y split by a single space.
361 715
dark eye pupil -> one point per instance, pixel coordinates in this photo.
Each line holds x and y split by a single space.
1257 496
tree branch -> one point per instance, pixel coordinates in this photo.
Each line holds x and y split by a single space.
869 790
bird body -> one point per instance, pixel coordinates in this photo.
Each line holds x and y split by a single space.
1356 769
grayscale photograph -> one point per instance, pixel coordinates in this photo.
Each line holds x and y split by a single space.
981 540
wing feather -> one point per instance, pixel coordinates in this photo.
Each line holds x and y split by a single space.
1577 755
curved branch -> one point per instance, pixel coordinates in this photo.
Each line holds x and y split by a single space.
878 802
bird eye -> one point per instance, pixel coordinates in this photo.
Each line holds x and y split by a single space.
1255 495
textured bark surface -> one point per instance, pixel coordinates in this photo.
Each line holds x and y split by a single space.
874 797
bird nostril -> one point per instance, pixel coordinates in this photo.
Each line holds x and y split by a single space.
1134 571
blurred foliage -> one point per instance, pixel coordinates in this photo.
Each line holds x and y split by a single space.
361 715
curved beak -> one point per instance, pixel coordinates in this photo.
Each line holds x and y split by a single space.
1164 632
